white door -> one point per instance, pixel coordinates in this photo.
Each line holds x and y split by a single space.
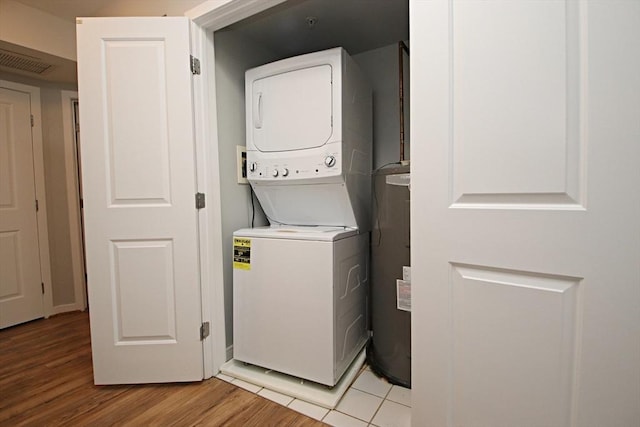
20 280
139 185
526 213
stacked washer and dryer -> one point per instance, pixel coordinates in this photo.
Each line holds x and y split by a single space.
301 283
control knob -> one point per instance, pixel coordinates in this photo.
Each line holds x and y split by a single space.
329 161
275 173
253 166
285 172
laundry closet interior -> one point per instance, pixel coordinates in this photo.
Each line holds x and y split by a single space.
375 35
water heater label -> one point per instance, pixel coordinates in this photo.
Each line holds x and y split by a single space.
403 295
242 253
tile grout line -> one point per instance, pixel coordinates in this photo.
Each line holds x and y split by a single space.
360 419
399 403
352 386
288 405
380 406
383 400
369 423
371 394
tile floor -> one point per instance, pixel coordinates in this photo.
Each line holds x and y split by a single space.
370 401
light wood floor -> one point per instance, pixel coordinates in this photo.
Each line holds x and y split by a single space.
46 379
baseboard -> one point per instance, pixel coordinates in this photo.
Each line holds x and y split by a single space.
65 308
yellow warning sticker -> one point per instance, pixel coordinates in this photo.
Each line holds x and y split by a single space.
242 253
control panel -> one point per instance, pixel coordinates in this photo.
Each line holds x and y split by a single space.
263 168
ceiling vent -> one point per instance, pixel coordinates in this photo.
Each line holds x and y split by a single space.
21 62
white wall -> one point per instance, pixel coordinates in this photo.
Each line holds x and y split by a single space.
147 7
25 26
234 56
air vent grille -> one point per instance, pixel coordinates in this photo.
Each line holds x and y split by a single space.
23 63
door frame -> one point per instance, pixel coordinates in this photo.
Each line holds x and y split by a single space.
207 18
38 170
73 205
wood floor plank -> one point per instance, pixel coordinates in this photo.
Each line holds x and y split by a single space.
46 378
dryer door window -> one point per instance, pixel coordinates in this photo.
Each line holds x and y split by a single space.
292 110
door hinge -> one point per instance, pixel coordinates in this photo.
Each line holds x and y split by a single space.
200 200
42 286
37 206
32 120
204 330
195 65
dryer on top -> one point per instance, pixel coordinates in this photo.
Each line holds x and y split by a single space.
309 138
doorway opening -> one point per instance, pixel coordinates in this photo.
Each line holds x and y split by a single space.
71 125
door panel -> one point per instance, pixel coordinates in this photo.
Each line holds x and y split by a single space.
519 330
139 182
139 172
514 148
143 273
20 279
526 222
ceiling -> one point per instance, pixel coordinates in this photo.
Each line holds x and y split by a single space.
291 28
67 9
70 9
301 26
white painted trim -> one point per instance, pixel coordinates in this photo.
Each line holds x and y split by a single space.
38 167
212 170
213 15
209 220
65 308
209 17
75 227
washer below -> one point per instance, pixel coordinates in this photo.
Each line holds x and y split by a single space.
300 299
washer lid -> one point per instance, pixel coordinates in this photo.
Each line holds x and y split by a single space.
290 232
